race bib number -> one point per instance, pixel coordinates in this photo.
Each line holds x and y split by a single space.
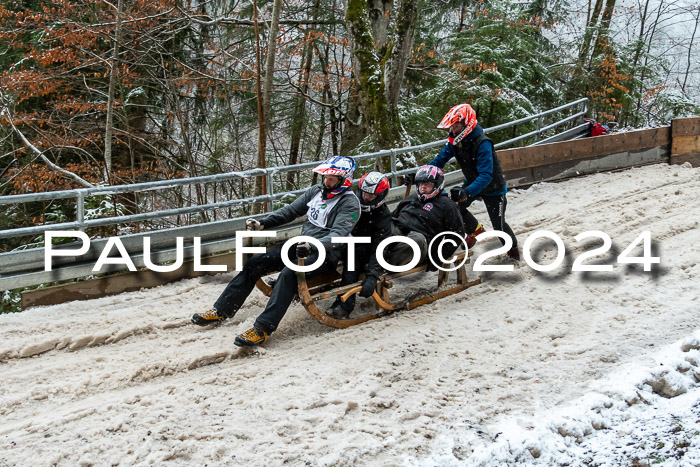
319 209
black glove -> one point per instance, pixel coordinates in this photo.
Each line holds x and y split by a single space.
458 194
303 250
409 179
368 286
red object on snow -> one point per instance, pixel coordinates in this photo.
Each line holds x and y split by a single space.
595 128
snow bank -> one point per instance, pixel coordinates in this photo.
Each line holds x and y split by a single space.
595 368
640 415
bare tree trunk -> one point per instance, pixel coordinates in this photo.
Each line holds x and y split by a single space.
379 16
334 122
399 53
379 78
640 38
462 15
298 117
270 62
590 29
354 130
690 50
639 45
648 51
601 41
264 99
259 183
113 70
355 126
319 143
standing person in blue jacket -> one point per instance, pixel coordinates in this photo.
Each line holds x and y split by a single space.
483 177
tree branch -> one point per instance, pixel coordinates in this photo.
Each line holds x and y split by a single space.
322 104
81 181
209 21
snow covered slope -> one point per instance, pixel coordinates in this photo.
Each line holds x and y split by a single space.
528 367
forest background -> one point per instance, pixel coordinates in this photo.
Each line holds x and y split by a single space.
132 90
94 92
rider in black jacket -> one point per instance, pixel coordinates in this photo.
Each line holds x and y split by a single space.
374 222
423 216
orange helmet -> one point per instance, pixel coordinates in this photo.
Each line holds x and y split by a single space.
459 113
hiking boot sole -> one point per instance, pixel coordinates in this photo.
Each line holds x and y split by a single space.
246 343
199 321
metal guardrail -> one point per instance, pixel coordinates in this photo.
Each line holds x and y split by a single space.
82 193
24 268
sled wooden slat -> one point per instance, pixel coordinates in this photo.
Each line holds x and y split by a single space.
432 297
377 298
316 284
317 314
264 287
381 297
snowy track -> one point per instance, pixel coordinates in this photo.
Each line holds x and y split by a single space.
127 380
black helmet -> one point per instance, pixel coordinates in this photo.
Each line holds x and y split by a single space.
373 183
429 174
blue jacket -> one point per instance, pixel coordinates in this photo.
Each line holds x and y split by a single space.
482 171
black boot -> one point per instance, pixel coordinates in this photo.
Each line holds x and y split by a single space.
338 312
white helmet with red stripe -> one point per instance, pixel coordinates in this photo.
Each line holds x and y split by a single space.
373 183
459 113
429 174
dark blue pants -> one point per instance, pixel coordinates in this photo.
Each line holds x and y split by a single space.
238 290
363 252
496 209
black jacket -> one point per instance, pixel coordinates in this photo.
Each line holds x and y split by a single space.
480 165
431 218
375 224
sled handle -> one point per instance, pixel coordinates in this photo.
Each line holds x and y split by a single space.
375 296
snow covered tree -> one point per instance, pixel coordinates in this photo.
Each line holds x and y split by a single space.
380 54
496 59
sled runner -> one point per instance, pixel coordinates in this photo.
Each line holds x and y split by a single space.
327 287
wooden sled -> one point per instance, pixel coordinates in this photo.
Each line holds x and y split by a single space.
327 286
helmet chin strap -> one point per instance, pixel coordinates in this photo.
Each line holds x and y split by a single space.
342 184
460 136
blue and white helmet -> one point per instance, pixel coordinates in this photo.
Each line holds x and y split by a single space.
339 166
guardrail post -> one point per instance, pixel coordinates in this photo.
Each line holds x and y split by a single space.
539 126
80 209
392 158
270 190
